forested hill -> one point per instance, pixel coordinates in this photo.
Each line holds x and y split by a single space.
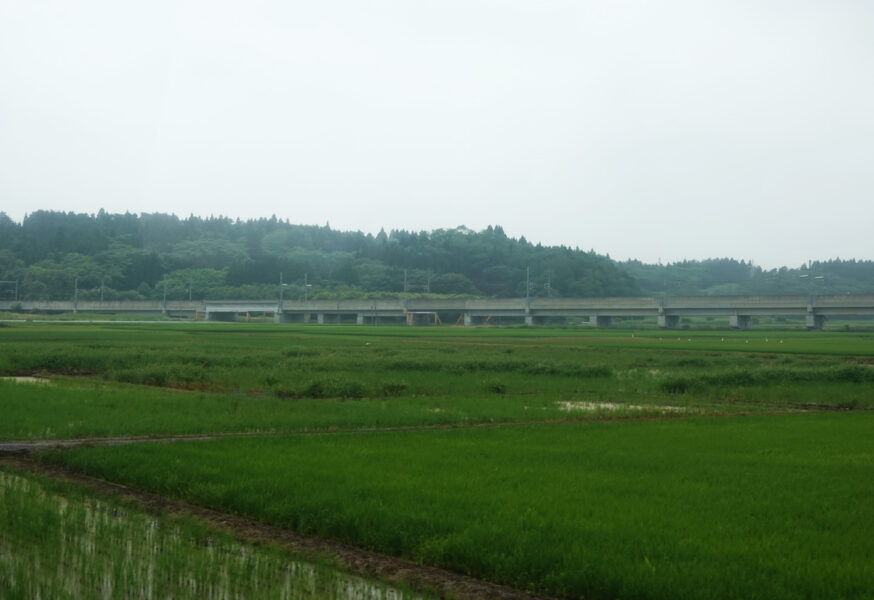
135 256
729 277
129 256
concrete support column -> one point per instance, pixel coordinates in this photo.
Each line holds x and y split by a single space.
669 321
320 318
468 320
359 319
814 321
740 321
529 320
600 321
284 317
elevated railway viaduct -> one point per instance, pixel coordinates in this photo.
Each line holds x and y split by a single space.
600 312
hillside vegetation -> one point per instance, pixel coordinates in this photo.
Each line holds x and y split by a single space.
152 256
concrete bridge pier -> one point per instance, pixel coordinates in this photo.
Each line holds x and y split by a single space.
600 321
814 321
740 321
669 321
470 320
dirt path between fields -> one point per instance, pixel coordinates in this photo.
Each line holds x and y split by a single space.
350 559
24 447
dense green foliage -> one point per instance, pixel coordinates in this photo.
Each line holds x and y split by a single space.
752 507
728 277
133 256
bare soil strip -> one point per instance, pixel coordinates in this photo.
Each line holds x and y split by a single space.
20 447
350 559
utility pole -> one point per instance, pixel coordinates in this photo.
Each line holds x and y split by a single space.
164 303
76 294
306 288
527 285
405 283
282 287
101 290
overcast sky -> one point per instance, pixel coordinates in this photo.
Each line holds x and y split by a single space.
652 130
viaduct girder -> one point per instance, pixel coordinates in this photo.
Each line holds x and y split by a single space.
668 310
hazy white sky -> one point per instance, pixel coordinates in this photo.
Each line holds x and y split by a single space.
652 130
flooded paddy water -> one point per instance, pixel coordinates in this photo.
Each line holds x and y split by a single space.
26 379
59 545
618 406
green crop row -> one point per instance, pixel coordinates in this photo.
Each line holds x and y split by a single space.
76 408
764 377
56 541
752 507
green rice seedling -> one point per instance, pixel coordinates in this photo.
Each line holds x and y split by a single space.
770 506
57 541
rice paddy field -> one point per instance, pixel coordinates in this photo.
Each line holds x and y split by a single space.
61 542
566 463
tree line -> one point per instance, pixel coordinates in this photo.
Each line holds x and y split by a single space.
52 255
130 256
